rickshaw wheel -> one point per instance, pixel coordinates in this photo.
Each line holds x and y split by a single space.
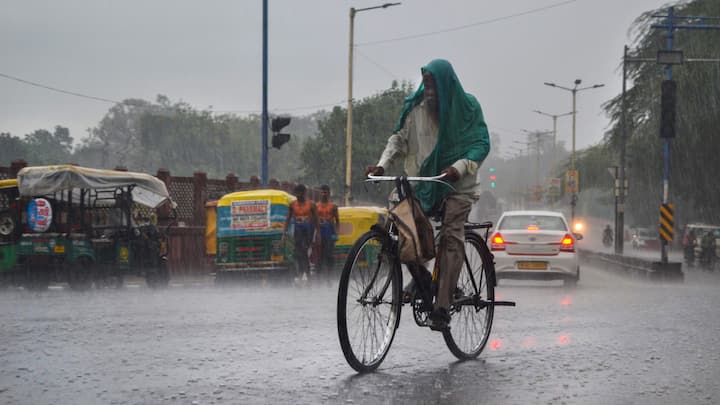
7 224
116 280
80 274
36 278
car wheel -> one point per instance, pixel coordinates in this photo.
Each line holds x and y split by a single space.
571 281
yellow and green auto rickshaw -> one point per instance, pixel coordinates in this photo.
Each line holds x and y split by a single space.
9 229
249 228
355 221
211 229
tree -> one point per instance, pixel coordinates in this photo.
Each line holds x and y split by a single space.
11 148
50 148
694 163
323 156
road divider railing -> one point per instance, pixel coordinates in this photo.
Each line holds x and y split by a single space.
634 266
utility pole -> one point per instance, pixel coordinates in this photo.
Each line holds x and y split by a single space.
264 95
574 90
554 132
620 188
348 129
537 135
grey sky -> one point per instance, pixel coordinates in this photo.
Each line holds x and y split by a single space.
208 53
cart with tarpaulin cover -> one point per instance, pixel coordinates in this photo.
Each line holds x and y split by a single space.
89 226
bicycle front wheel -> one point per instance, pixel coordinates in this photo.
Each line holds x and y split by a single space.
471 315
369 303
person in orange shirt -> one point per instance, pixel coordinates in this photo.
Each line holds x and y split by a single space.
304 214
329 220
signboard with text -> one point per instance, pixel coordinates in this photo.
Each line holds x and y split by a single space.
572 182
39 215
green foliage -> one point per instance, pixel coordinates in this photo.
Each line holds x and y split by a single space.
592 164
11 148
694 162
323 156
145 136
49 148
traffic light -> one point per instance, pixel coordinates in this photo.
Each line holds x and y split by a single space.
492 177
279 140
277 124
667 109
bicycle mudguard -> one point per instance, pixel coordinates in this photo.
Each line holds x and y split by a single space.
381 230
473 225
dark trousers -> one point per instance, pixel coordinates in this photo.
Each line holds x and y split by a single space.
327 257
303 237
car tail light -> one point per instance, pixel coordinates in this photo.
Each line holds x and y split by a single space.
497 243
567 244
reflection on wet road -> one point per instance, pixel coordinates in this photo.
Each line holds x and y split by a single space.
611 340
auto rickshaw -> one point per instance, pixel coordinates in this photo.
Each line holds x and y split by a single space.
249 228
85 226
355 221
9 227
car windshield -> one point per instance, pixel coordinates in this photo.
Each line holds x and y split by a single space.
533 222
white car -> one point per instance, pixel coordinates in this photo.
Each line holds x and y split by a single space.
535 245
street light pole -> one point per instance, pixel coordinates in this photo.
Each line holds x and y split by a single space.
554 132
537 135
348 131
574 90
348 137
264 168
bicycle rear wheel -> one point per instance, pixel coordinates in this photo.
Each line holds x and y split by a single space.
369 303
471 316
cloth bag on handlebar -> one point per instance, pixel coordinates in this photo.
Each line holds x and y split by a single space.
415 232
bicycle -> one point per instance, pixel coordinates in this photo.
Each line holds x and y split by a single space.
371 282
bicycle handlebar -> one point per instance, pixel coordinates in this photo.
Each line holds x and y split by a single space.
436 179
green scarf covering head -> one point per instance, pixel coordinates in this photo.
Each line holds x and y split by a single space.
462 130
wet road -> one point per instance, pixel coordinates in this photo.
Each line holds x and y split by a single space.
611 340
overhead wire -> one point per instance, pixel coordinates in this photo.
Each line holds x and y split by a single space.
378 65
72 93
466 26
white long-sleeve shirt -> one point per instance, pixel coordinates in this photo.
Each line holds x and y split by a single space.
416 140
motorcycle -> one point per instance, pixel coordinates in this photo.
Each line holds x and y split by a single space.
707 260
607 239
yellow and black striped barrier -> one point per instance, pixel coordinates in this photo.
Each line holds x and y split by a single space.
667 222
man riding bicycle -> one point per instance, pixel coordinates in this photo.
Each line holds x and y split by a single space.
441 130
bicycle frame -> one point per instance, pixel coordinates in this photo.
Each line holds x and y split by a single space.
469 227
375 305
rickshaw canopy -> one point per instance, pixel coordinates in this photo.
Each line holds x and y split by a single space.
252 212
274 196
43 180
